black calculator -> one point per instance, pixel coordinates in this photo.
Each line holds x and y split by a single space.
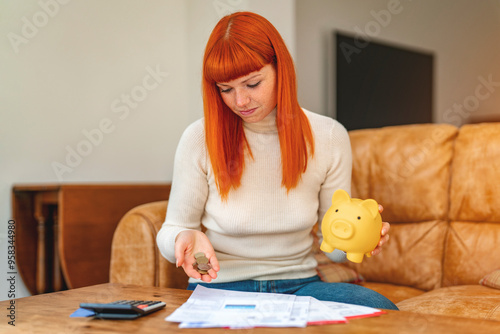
123 309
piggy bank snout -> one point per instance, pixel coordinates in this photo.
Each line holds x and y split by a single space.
342 229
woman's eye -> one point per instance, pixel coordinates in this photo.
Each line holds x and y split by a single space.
254 85
227 90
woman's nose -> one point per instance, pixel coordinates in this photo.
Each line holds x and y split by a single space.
242 99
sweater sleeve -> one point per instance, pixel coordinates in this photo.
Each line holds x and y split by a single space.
338 176
189 190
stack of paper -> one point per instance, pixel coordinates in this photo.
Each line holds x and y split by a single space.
234 309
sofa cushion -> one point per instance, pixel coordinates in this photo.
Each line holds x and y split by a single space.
470 252
412 257
407 170
395 293
474 208
468 301
404 168
491 280
474 190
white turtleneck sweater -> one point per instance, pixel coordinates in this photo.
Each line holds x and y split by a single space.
261 232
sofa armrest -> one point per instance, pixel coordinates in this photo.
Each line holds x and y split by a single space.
135 258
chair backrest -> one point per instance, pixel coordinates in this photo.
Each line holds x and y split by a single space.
135 258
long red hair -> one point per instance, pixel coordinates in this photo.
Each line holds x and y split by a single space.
242 43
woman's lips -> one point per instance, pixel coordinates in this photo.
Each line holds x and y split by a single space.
247 112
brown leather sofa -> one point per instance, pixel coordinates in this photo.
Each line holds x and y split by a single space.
440 188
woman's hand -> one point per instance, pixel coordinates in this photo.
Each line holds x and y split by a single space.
384 234
190 242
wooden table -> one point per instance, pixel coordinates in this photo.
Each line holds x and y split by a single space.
50 313
64 231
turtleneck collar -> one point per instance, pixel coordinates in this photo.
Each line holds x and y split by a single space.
266 125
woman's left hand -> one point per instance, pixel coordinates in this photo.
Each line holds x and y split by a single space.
384 234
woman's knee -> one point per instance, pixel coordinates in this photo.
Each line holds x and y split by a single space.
346 293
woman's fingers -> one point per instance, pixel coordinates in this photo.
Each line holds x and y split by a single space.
384 237
187 244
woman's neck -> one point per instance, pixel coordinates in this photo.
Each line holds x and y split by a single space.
266 125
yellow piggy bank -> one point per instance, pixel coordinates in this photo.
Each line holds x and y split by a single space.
351 225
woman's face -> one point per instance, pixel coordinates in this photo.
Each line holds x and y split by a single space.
253 96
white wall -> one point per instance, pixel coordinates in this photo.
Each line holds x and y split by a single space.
463 35
70 70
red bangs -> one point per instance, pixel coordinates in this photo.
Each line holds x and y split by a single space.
229 60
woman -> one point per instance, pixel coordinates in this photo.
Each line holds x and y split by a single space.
258 172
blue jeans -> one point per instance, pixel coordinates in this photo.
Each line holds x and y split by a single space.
313 287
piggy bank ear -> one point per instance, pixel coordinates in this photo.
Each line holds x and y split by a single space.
371 205
340 196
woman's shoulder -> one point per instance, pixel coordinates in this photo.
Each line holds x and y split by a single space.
197 126
194 134
325 126
195 129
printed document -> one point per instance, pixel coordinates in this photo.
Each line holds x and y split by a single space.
209 308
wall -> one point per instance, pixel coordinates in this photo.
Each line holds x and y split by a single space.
100 91
462 34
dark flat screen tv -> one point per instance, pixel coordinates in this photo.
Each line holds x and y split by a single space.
379 84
